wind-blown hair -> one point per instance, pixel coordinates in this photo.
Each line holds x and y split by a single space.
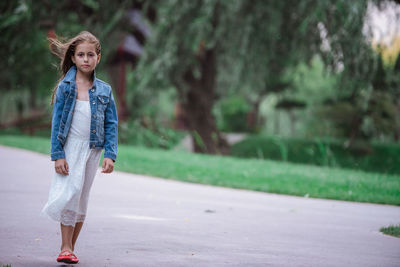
65 51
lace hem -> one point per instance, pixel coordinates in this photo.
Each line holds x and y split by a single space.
65 217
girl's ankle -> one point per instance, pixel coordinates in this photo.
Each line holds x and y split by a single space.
67 250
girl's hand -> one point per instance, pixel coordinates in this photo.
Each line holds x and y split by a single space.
107 166
61 166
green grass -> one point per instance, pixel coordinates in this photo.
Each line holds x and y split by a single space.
393 230
371 157
33 143
252 174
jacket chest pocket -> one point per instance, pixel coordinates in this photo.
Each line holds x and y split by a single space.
102 102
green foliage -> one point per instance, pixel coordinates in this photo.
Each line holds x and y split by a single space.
27 65
264 47
23 47
370 112
393 230
311 82
27 73
154 103
180 32
234 112
344 115
133 133
261 46
376 157
382 117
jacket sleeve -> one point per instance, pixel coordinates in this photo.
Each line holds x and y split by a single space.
111 130
57 150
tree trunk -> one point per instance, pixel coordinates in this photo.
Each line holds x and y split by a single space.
118 78
121 93
252 117
199 101
205 135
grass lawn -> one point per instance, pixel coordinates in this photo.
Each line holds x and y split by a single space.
252 174
393 230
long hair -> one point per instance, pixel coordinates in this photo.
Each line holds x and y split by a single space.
65 51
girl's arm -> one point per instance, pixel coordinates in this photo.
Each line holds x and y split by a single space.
111 130
57 150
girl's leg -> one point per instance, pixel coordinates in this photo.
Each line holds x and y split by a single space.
77 229
66 237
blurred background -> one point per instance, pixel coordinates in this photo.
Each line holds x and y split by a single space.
308 81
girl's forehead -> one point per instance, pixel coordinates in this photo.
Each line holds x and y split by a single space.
86 47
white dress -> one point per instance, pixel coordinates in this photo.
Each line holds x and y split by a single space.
69 194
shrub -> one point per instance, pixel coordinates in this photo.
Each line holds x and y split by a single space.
234 112
373 157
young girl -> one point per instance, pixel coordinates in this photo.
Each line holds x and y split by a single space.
84 122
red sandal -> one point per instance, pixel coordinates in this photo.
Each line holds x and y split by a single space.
67 258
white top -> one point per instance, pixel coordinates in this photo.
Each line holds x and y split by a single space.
80 125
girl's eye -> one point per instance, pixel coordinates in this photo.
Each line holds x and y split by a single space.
83 54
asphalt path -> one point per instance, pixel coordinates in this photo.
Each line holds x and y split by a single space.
136 220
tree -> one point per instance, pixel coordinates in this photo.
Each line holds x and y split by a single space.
204 48
189 39
23 48
24 25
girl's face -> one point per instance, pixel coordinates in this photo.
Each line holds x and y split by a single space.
85 57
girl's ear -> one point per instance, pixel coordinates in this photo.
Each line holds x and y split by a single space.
98 58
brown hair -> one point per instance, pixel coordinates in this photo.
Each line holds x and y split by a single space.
65 50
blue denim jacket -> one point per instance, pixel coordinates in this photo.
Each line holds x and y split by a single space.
104 120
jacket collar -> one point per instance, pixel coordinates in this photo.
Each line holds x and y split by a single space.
70 75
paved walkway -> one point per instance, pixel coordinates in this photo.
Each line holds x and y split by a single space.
136 220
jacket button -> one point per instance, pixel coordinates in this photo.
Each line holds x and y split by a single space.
94 103
92 146
94 131
92 90
94 116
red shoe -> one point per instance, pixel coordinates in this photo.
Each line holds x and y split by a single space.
67 258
